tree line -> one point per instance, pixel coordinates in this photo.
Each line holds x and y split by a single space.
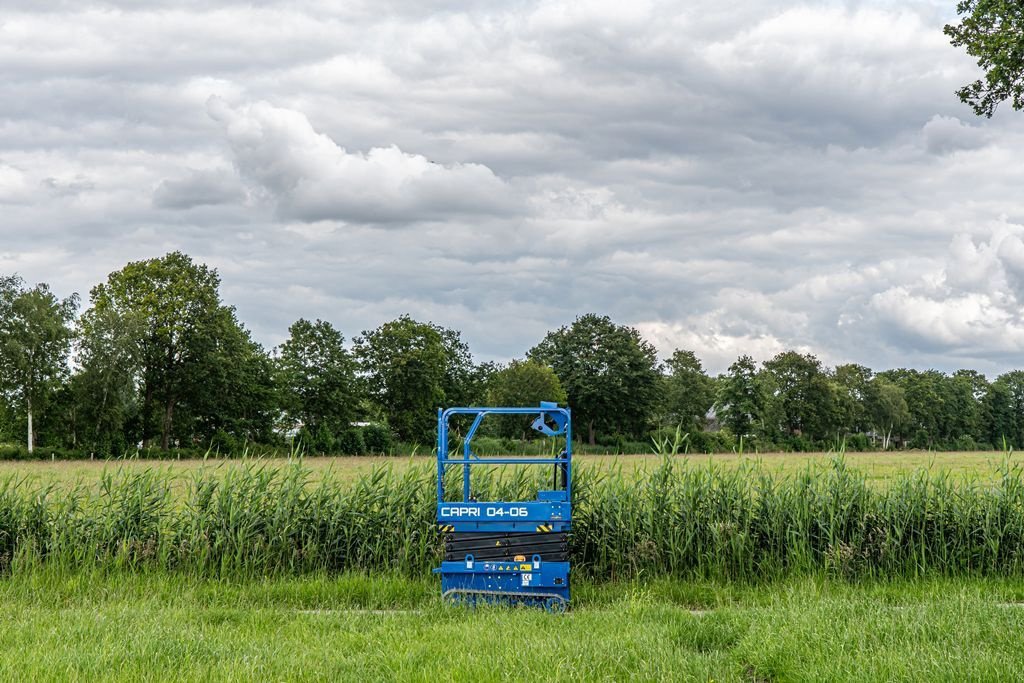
158 361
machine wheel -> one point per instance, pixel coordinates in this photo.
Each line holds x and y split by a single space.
555 605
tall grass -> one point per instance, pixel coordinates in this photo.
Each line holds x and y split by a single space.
677 519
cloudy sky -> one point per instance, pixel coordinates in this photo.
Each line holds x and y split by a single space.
731 178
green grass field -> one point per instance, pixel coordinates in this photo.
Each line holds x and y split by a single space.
161 627
878 467
114 622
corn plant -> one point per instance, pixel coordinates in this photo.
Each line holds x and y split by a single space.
677 519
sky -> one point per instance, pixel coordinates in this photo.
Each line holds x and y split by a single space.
729 178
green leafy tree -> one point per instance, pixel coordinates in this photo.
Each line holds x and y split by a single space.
407 366
1003 409
608 371
317 378
802 390
196 368
105 387
927 401
742 401
173 301
992 31
688 391
850 382
477 384
885 407
463 380
239 402
7 421
523 383
965 410
35 340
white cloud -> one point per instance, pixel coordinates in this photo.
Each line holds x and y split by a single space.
969 305
312 178
14 188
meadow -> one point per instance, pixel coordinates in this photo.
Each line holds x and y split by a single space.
157 626
878 467
774 567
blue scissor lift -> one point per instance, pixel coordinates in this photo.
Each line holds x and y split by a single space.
501 551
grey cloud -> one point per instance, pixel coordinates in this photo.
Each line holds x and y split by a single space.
732 179
69 186
198 188
943 134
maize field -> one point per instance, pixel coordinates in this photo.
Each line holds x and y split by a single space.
677 519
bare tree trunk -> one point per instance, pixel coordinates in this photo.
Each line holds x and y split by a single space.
31 445
591 436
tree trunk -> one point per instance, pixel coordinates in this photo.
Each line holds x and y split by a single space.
591 436
168 421
165 438
99 414
147 406
31 445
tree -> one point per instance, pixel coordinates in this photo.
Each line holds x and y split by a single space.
928 404
801 387
523 383
104 389
886 409
35 339
477 383
408 368
741 397
608 371
688 391
993 32
7 426
851 386
239 399
966 391
462 378
197 369
317 377
1004 409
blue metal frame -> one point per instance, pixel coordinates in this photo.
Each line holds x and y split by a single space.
529 579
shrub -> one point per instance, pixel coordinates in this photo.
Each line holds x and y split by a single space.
350 442
857 442
377 438
223 443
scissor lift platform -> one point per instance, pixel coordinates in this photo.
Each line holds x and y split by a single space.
502 551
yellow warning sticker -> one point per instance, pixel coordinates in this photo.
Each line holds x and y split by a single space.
525 567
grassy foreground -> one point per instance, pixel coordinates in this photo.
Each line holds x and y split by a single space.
118 626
